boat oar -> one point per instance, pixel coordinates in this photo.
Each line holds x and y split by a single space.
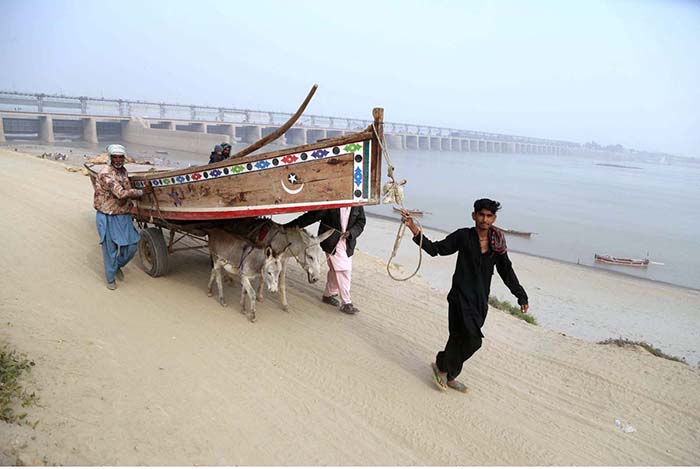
276 134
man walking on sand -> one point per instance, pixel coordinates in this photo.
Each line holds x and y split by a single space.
479 250
113 194
347 223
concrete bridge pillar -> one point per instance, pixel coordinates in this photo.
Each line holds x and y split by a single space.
314 135
411 142
268 130
90 130
435 143
489 147
2 131
463 145
296 136
169 125
200 127
46 129
249 133
394 142
424 143
230 131
454 144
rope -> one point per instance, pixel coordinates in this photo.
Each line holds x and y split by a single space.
394 191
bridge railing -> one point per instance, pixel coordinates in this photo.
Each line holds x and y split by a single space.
40 102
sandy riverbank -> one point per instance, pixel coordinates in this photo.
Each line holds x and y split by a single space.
592 304
156 373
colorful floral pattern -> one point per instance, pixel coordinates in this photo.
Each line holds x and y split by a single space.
360 189
358 176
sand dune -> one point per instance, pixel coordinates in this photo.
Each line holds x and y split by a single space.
157 373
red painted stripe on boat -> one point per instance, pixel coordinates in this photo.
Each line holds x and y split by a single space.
235 214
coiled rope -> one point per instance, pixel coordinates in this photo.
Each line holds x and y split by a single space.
393 192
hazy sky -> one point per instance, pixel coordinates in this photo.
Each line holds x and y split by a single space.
615 72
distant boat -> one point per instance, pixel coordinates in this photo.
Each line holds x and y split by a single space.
622 261
525 234
412 212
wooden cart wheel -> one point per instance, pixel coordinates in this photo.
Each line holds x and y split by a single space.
153 252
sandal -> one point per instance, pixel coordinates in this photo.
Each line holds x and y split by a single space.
439 379
457 386
331 300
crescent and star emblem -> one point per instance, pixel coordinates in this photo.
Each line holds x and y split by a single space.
293 179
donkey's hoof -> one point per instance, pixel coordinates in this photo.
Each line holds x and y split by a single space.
210 293
285 308
251 318
223 303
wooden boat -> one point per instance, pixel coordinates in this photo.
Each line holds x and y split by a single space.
525 234
412 212
622 261
334 172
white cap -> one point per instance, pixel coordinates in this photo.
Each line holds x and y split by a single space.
115 149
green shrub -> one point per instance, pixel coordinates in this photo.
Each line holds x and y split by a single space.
12 393
512 310
646 346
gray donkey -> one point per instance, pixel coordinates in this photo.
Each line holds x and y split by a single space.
294 243
235 255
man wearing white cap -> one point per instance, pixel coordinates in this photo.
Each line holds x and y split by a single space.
113 194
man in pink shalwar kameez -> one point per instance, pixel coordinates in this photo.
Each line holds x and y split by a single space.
348 223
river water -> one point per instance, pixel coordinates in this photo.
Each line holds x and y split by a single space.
577 206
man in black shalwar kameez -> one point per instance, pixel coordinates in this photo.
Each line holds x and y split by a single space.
479 249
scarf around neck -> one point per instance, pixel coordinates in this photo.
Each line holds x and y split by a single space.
497 240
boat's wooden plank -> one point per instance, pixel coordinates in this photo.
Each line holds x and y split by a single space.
335 141
329 179
277 133
376 160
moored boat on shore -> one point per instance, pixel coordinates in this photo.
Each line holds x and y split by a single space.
622 260
525 234
412 212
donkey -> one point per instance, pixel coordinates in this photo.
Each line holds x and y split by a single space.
289 242
236 255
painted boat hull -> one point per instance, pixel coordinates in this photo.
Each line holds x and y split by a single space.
338 172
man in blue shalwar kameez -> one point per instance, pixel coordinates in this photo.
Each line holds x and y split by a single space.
113 194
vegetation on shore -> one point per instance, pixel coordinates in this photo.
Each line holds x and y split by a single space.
512 310
12 392
646 346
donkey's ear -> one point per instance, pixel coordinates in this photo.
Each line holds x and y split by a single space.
268 252
325 235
